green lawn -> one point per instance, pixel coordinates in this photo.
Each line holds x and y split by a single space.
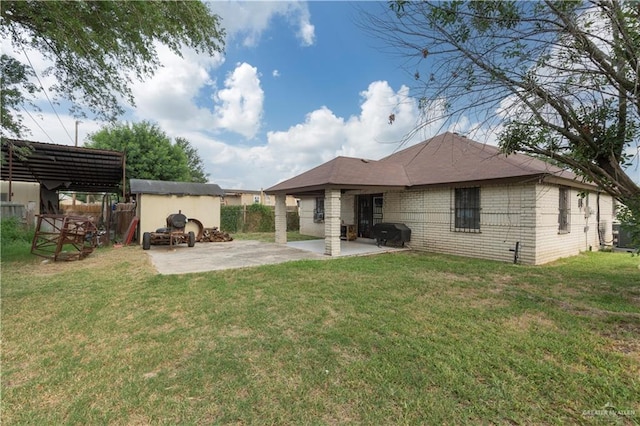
402 338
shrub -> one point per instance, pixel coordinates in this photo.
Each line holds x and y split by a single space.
629 217
254 218
260 218
15 239
12 231
230 218
293 220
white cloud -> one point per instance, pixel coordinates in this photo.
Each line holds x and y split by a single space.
275 73
239 104
321 137
307 30
59 129
248 20
169 97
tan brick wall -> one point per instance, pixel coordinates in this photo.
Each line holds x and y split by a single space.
503 222
348 209
552 244
307 225
305 211
510 214
607 217
281 219
332 208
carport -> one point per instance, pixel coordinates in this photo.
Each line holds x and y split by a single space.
61 167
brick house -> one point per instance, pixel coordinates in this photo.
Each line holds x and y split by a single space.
458 197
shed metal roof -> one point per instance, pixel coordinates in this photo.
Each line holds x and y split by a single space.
146 186
63 167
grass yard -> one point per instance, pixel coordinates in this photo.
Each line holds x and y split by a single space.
401 338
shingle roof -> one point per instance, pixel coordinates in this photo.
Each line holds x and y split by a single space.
451 158
444 159
145 186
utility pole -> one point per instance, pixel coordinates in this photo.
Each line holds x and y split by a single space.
77 122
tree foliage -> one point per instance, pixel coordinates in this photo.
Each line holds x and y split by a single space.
13 85
150 154
556 79
99 47
194 162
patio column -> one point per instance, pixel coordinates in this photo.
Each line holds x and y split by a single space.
332 222
281 219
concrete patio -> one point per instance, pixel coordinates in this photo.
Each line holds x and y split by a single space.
361 246
205 257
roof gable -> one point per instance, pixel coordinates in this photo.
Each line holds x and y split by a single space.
146 186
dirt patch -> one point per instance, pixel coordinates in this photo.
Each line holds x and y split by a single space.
528 321
107 257
624 338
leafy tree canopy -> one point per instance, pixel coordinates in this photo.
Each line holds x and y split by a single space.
150 153
14 90
556 79
97 48
194 162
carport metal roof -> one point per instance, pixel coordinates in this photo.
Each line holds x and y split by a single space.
63 167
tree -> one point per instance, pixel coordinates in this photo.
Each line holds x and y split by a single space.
149 152
14 76
99 47
194 162
555 79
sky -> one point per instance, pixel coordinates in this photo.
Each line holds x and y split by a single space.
298 84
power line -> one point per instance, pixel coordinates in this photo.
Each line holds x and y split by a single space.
47 96
37 124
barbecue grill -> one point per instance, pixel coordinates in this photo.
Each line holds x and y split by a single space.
394 233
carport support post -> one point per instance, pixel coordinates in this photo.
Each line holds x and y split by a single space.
281 219
332 222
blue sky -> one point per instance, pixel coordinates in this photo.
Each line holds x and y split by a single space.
299 83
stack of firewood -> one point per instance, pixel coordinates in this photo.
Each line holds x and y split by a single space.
214 235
